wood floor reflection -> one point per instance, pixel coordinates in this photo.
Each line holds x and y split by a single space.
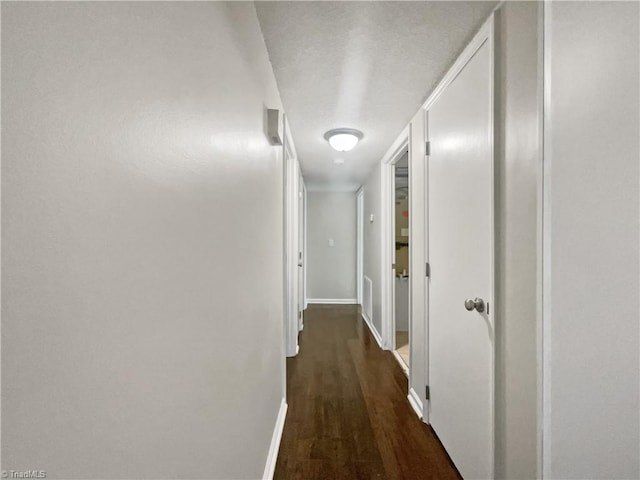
402 346
348 415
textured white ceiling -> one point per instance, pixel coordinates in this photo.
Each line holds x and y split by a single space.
365 65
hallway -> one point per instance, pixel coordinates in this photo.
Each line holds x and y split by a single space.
348 413
184 184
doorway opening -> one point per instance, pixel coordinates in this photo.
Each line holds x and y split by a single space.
401 247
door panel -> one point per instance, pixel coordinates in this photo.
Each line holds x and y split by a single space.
460 235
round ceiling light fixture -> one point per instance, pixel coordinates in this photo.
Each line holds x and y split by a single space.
343 139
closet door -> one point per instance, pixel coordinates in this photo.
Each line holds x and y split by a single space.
460 236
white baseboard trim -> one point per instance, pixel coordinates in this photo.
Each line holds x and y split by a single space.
291 354
400 360
375 334
272 456
339 301
415 402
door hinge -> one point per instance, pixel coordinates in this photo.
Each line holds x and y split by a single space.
393 266
427 147
427 393
427 269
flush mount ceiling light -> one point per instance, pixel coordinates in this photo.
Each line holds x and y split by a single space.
343 139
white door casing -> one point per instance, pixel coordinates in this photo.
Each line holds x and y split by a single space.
388 237
461 256
360 245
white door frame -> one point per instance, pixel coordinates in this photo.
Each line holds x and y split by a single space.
302 264
359 244
485 34
291 188
388 238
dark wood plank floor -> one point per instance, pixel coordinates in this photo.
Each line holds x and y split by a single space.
348 415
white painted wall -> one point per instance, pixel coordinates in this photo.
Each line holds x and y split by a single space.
136 179
372 242
331 273
517 238
591 302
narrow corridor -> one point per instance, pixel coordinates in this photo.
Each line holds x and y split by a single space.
348 416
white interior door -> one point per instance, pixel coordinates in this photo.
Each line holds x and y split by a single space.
301 264
291 170
460 236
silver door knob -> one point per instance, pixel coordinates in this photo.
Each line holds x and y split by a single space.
475 304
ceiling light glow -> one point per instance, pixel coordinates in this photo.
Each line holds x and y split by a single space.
343 139
343 142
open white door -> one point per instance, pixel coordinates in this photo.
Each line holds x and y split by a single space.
292 240
460 236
